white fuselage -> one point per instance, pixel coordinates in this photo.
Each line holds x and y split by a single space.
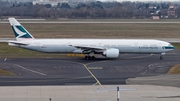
124 45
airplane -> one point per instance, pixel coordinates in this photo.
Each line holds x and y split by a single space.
109 48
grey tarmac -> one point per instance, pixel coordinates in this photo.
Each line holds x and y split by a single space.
67 79
77 71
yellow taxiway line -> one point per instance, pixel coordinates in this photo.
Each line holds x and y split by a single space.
85 65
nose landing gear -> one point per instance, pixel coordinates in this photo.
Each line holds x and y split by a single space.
161 56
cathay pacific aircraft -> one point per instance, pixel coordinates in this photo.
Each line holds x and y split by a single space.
109 48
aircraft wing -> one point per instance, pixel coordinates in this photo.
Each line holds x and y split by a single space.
17 43
89 47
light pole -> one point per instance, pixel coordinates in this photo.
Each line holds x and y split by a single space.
118 94
118 89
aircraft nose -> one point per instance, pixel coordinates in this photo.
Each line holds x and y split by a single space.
170 47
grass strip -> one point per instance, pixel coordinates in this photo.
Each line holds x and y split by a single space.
90 30
176 45
174 70
6 73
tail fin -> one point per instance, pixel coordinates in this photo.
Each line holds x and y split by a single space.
19 31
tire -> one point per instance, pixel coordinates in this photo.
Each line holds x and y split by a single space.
86 57
89 58
93 57
161 57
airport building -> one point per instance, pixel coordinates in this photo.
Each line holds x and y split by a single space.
51 2
172 11
55 2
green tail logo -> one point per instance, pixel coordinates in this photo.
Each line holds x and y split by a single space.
20 32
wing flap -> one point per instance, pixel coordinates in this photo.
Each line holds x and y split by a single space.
89 47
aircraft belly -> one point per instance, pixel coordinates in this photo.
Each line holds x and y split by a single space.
35 48
136 49
48 49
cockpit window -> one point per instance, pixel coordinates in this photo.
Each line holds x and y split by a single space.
169 47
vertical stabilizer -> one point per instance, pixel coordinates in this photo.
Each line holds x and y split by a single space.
19 31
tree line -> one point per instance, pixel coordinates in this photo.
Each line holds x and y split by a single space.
93 10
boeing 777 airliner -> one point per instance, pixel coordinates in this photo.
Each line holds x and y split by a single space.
110 48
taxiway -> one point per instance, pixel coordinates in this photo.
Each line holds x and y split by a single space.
77 71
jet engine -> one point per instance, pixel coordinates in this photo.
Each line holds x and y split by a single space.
111 53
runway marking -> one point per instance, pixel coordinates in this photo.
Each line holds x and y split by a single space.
158 65
95 67
97 81
85 65
5 59
139 57
97 62
30 70
95 84
75 55
83 77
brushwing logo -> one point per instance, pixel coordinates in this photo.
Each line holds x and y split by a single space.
20 32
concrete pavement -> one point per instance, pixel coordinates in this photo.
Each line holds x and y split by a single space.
88 93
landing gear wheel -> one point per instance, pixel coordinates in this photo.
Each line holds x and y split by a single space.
161 57
93 57
89 58
86 57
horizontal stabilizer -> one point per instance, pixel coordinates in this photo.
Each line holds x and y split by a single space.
17 43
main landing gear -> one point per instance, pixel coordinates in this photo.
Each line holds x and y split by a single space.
89 57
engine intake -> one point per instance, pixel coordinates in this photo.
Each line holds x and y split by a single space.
111 53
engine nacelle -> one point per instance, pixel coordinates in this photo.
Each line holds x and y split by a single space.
111 53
